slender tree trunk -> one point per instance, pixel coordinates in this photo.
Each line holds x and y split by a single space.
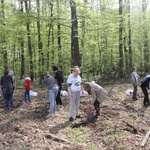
49 37
52 27
76 59
22 47
120 39
59 36
27 7
4 50
40 44
145 42
129 32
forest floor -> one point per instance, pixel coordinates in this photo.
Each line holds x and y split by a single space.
122 125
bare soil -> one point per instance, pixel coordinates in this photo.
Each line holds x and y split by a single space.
122 125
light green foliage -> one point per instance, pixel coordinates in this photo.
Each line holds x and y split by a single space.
98 32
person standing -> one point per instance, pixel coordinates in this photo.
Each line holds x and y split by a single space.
98 93
11 73
144 87
53 91
74 87
27 87
58 76
7 90
134 80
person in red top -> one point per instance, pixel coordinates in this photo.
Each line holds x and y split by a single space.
27 86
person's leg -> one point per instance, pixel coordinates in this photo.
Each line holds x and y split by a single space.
10 98
4 90
28 95
52 101
25 96
55 96
77 104
72 105
58 98
145 95
97 107
134 92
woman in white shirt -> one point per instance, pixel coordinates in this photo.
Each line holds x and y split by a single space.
74 87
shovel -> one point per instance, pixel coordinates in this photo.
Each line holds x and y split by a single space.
90 114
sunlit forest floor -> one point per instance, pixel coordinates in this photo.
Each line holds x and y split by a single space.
122 125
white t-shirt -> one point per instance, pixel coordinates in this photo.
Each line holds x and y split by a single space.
75 82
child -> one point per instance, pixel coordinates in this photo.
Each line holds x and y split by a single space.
98 93
27 86
144 87
134 79
53 91
74 88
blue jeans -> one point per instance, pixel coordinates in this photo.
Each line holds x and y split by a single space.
27 96
7 93
52 98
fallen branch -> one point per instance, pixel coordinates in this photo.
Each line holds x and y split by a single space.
145 139
56 139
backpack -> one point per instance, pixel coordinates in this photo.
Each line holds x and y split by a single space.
61 77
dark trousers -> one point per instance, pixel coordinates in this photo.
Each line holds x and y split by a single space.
97 107
144 89
58 98
134 92
27 96
7 93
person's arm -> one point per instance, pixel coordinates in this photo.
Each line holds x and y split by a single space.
93 96
69 82
43 83
69 90
1 81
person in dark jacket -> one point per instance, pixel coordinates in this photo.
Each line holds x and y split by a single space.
144 87
59 78
7 90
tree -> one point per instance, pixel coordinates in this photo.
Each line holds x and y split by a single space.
76 59
120 39
27 7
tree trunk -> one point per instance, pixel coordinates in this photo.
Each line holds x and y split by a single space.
59 36
76 59
145 38
27 7
120 39
40 44
4 51
129 32
22 47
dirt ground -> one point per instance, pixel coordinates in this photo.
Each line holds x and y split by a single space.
122 125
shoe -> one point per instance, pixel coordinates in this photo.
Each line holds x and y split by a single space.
49 115
146 105
70 119
77 117
28 103
135 99
25 104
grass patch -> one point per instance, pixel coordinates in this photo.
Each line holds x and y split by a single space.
78 135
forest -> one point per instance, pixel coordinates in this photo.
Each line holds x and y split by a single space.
106 38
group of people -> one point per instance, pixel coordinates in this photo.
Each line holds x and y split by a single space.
74 83
144 86
75 86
